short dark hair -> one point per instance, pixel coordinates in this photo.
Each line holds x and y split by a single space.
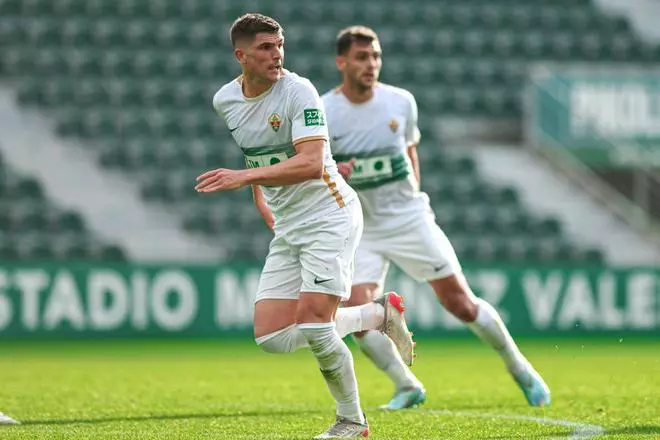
247 26
354 34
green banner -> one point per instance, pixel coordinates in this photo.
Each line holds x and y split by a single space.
83 301
604 119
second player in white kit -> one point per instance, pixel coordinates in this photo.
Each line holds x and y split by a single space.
399 223
374 136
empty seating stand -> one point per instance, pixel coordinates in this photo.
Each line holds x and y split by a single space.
33 228
134 80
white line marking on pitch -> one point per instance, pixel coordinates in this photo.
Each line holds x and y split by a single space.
580 430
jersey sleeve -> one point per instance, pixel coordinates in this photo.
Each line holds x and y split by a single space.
412 134
327 106
217 104
307 114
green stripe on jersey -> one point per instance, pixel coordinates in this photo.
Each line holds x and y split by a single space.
256 157
374 171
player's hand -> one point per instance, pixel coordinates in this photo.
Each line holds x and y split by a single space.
221 179
346 168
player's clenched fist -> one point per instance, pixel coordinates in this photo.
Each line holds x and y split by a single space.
346 168
221 179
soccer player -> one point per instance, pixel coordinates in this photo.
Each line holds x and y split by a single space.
278 120
6 420
374 136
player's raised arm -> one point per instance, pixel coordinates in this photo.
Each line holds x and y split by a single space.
306 164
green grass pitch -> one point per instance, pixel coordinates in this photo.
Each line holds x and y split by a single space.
231 390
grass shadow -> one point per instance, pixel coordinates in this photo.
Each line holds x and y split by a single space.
641 429
162 417
528 436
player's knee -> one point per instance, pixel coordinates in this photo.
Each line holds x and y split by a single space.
272 346
310 314
281 341
319 309
363 294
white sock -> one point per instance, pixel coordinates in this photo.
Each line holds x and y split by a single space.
286 340
490 328
336 364
359 318
381 350
348 320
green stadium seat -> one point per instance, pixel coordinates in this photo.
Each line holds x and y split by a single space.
5 220
505 43
77 250
33 220
40 251
70 222
112 253
29 93
41 32
74 32
114 64
594 256
8 251
29 189
10 7
45 62
110 33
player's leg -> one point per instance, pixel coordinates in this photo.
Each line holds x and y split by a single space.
456 296
275 331
327 251
315 311
274 319
427 254
277 300
370 271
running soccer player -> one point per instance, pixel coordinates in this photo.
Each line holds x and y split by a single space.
374 136
278 120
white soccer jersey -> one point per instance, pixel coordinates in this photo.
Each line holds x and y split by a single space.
268 126
377 134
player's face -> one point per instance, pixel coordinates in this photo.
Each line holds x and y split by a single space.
361 65
263 59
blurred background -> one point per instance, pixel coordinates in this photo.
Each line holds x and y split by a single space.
540 144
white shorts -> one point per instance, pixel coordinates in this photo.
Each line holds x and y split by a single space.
313 256
419 248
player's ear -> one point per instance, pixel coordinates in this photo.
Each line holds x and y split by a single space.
240 55
341 63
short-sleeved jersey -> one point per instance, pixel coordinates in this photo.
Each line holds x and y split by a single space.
268 127
378 133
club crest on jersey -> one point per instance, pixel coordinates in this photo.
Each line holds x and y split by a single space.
394 126
275 121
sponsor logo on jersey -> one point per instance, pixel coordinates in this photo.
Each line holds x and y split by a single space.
314 116
275 121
